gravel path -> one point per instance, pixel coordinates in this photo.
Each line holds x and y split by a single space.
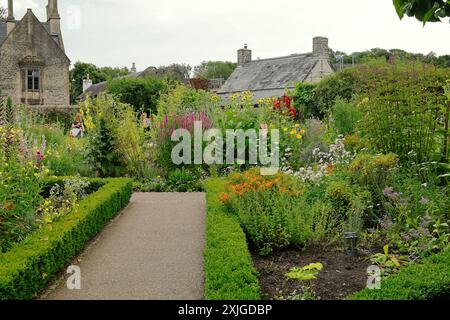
152 250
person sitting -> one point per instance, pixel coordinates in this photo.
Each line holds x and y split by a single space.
77 129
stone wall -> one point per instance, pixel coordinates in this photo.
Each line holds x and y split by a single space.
322 69
30 39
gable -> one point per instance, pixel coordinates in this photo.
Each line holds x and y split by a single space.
40 44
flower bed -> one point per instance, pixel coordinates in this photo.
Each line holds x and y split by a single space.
28 267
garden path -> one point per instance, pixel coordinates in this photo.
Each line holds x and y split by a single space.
152 250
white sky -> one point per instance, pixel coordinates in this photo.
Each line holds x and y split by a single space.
161 32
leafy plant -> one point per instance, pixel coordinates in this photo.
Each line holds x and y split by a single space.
389 262
306 273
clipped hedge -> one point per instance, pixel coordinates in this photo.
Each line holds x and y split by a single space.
229 271
429 280
27 268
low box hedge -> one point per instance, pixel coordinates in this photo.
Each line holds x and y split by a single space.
428 280
27 268
229 271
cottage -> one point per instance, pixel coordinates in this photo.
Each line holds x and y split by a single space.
34 68
272 77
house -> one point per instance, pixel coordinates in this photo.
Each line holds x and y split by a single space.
34 68
267 78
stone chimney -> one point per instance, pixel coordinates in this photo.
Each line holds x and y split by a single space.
244 55
87 83
133 68
320 48
10 21
53 17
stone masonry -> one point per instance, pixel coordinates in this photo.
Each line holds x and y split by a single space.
34 69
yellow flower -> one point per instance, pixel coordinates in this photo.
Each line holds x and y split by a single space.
299 136
285 129
293 132
36 175
47 171
302 131
297 125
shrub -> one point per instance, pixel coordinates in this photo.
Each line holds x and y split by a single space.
115 139
402 110
28 267
229 272
305 100
345 116
428 280
340 85
141 93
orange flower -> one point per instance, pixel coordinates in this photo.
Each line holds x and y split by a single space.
224 198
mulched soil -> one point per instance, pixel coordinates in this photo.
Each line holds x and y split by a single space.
342 274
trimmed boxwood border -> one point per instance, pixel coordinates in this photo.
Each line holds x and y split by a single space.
229 271
27 268
428 280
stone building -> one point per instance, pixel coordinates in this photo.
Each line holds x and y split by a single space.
272 77
34 68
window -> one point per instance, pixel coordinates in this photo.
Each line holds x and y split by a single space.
33 79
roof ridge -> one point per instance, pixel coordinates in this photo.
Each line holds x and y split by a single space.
282 57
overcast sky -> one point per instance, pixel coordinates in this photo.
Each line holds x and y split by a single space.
161 32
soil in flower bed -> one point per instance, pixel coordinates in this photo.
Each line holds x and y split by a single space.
342 275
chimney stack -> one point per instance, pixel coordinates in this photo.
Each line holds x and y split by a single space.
320 48
53 17
87 83
133 68
244 55
10 21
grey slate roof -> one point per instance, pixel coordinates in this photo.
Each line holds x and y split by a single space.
93 90
2 30
269 77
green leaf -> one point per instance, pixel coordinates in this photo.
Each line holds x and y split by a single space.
399 7
314 266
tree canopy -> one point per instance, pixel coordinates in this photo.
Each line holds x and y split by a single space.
80 71
3 13
215 69
423 10
141 93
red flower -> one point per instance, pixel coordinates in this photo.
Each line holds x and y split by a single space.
287 102
293 112
277 104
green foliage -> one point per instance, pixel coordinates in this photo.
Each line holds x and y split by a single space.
229 272
305 100
181 99
423 10
428 280
182 180
100 151
340 85
306 273
215 69
115 142
345 116
27 268
141 93
389 262
402 108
